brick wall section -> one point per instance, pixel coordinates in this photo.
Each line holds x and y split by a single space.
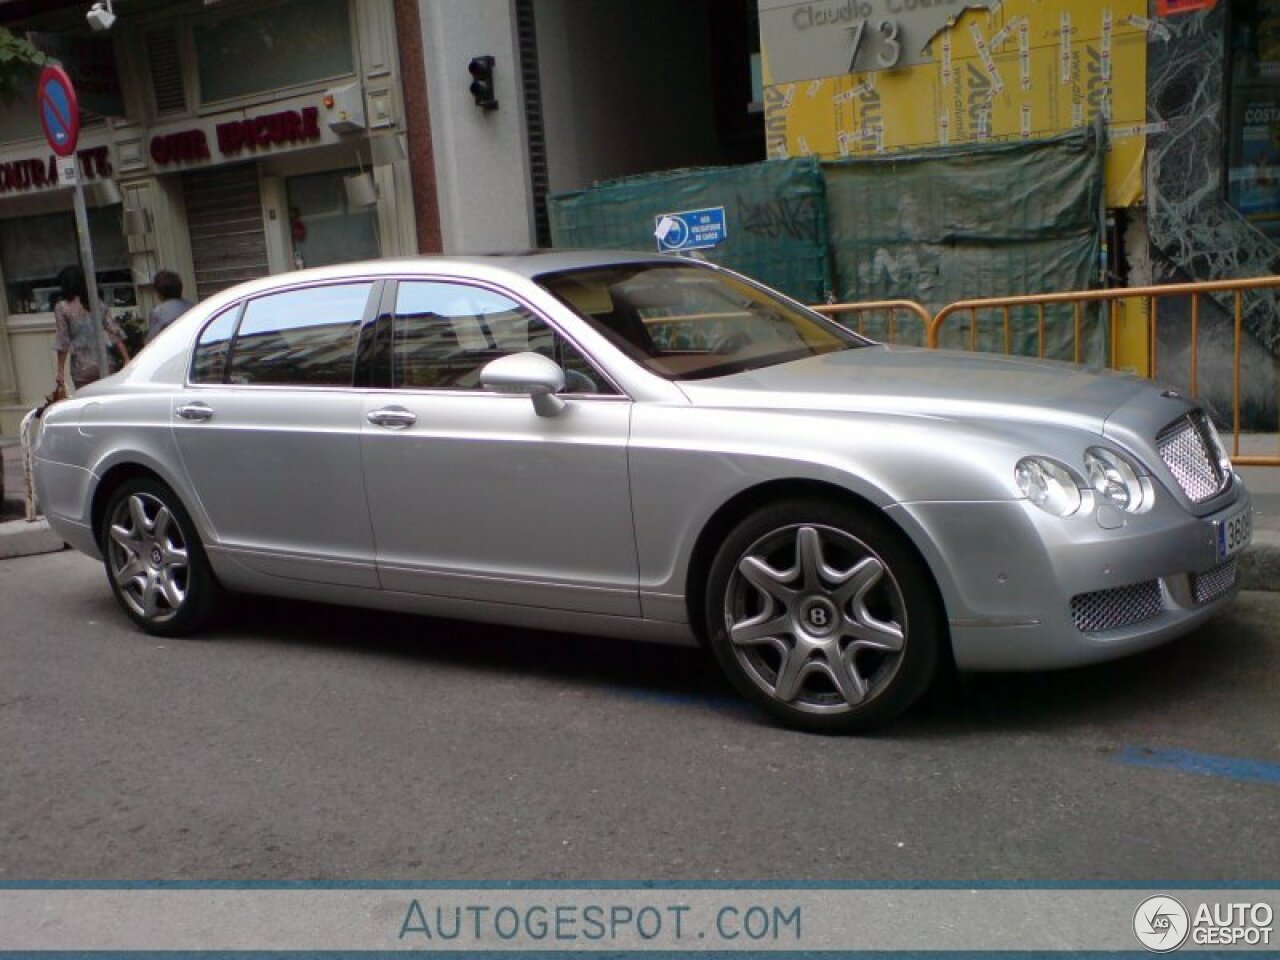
417 119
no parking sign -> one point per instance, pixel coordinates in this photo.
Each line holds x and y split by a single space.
59 110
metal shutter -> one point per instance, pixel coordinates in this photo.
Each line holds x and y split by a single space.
224 215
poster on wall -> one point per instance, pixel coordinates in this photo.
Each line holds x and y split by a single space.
1254 147
1013 70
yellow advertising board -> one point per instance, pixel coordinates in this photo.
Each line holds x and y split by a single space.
1019 69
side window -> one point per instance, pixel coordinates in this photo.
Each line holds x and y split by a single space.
213 347
445 333
301 337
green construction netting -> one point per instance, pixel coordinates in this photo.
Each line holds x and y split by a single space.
961 223
774 216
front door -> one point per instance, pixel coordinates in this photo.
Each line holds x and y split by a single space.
473 494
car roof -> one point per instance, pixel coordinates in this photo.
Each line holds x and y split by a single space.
526 263
491 266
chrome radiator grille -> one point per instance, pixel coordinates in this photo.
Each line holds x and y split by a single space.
1188 450
1212 584
1112 609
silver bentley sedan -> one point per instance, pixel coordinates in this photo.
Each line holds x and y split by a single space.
638 446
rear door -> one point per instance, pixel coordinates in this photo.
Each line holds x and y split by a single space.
269 432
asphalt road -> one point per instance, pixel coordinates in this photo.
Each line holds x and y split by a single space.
309 742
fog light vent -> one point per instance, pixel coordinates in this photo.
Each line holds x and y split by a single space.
1214 583
1105 610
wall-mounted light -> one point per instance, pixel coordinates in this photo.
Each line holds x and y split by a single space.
137 221
361 190
104 193
101 16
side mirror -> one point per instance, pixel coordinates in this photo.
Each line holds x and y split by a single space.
527 373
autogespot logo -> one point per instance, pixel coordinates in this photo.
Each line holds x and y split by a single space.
1161 924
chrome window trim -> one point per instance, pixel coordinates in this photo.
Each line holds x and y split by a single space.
242 305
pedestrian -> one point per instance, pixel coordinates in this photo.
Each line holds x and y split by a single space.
169 286
77 334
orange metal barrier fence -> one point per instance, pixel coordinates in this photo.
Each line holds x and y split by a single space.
1144 301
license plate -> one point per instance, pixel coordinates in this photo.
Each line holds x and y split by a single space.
1234 533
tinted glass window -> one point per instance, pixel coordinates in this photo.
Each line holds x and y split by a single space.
302 337
210 363
445 333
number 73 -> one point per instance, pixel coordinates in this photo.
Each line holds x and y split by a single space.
890 44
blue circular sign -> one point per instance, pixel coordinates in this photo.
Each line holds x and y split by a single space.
59 110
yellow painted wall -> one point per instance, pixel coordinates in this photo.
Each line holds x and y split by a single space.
1024 69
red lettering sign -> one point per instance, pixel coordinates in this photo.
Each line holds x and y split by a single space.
37 174
269 130
188 146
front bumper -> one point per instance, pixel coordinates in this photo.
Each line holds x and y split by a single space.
1024 590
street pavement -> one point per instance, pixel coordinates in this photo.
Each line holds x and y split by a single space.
303 741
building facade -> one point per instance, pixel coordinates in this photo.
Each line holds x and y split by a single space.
228 139
236 140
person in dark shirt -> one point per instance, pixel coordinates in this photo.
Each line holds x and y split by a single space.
169 286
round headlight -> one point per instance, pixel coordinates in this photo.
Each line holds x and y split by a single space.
1047 484
1114 478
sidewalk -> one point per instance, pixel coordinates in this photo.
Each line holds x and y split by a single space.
18 538
1259 565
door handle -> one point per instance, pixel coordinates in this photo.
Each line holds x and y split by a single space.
397 418
195 411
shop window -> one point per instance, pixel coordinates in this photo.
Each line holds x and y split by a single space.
445 333
301 41
324 227
33 251
1253 144
301 337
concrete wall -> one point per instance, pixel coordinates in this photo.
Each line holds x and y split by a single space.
482 170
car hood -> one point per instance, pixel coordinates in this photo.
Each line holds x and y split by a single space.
933 383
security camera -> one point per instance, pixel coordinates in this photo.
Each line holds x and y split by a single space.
100 16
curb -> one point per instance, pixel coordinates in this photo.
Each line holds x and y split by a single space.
18 538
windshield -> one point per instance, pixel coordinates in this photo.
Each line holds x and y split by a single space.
691 323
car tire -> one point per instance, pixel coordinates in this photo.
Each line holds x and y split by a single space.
155 562
822 613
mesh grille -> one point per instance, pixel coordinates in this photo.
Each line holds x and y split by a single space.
1187 451
1112 609
1214 583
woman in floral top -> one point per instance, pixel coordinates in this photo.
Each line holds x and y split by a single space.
75 332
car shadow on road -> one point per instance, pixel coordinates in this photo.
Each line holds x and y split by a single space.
652 671
1171 678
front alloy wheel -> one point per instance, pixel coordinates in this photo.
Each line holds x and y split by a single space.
154 560
823 616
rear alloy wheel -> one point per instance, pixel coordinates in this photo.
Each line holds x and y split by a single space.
155 562
820 613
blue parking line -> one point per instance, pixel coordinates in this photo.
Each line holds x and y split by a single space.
1203 764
